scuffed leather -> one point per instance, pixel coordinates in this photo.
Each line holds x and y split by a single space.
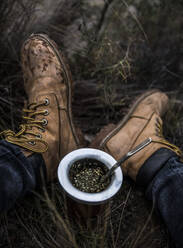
46 78
141 124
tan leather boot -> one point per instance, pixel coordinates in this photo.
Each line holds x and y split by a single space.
142 121
48 127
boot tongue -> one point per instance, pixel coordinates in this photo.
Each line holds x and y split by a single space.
45 85
51 88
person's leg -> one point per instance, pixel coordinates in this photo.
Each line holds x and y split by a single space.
47 132
157 164
19 174
166 192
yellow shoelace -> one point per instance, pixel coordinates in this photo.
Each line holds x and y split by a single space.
159 133
30 122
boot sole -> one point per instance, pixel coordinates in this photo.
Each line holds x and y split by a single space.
127 116
67 77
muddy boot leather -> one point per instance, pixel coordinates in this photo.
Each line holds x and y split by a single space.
142 121
48 126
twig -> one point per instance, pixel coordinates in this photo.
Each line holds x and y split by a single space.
103 15
121 216
136 19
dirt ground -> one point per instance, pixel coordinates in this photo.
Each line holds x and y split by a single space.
116 51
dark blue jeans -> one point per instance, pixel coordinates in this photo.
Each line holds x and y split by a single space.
166 192
19 176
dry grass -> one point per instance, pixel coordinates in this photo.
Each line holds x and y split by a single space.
134 46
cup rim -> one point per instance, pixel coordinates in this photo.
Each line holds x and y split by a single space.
84 197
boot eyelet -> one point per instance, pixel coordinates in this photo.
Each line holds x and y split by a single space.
46 102
39 136
32 143
46 112
44 122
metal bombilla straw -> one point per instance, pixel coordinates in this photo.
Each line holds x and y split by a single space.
124 158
